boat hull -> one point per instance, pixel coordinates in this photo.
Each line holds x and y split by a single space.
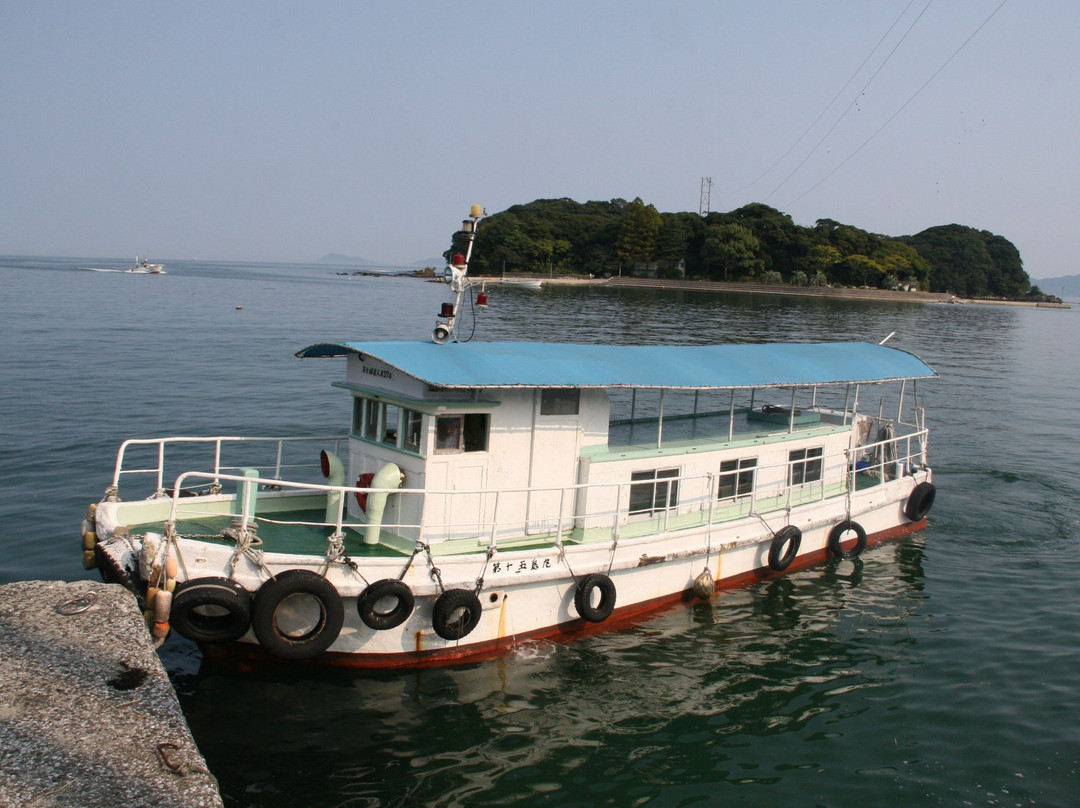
526 595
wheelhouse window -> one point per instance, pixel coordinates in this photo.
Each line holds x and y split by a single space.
370 409
461 433
388 424
652 491
737 478
805 465
412 430
559 402
390 416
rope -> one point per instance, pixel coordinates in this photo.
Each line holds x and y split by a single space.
335 554
435 572
244 539
483 572
419 546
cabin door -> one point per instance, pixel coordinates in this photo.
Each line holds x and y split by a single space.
553 465
460 509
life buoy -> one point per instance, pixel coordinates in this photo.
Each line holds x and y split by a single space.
583 597
836 537
368 604
363 481
785 546
211 610
455 614
284 621
920 502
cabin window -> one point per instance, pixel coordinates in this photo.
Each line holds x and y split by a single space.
475 433
651 491
388 424
559 402
737 478
371 418
805 465
462 433
448 433
391 416
413 430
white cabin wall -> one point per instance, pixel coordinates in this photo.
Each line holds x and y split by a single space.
695 492
595 417
376 375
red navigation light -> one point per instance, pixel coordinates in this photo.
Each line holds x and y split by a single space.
447 310
481 300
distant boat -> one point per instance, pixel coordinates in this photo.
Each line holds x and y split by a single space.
142 267
525 283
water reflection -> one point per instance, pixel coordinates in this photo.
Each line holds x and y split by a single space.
659 704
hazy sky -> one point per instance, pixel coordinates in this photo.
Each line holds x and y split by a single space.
283 131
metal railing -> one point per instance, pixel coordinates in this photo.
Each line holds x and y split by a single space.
158 470
503 514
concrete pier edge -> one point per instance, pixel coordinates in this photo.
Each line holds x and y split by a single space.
88 716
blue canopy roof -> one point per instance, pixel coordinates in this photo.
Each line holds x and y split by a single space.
691 367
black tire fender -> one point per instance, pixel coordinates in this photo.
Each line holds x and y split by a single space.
836 537
211 610
380 620
920 502
789 537
455 614
583 597
303 644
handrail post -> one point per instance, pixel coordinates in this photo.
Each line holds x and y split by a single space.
217 461
161 466
558 525
493 541
618 509
339 527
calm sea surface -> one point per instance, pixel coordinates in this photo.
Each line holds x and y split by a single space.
940 670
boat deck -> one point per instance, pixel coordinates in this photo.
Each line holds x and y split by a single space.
295 532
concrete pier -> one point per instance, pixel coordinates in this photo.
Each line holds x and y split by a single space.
88 717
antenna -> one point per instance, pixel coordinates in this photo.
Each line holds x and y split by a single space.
706 196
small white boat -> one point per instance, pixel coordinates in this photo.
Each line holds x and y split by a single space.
524 283
484 494
142 267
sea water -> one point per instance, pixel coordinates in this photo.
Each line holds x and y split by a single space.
937 670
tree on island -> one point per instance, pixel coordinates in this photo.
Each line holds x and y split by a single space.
970 262
746 244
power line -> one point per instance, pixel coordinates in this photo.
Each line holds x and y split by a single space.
826 108
854 101
902 106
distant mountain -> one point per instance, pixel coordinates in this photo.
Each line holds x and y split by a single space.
347 260
1054 286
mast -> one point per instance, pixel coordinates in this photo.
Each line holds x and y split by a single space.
456 277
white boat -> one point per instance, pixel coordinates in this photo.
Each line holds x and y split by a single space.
485 494
142 267
524 283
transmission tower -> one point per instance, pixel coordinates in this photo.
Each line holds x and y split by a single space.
706 196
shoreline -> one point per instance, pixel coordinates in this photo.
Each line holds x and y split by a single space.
770 289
